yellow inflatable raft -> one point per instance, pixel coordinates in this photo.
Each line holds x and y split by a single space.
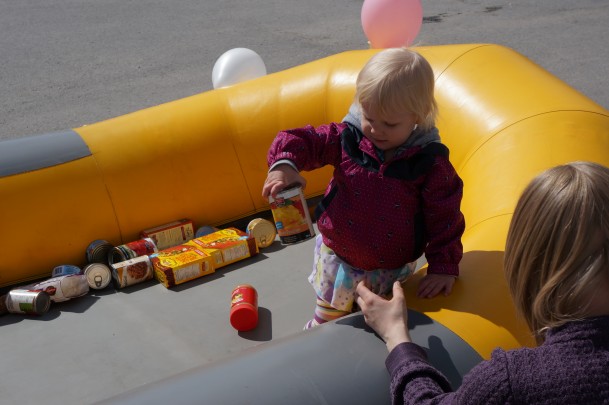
504 118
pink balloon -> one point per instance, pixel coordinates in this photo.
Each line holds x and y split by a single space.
391 23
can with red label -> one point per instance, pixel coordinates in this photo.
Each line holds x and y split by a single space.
20 301
132 271
244 308
131 250
291 215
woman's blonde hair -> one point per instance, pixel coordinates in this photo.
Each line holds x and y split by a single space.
557 246
399 80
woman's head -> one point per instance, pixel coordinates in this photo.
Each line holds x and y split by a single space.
397 81
557 249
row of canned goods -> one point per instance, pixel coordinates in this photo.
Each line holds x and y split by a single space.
122 265
125 264
105 263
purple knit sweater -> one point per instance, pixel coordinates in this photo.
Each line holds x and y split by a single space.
571 367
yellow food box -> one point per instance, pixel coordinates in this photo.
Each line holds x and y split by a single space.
226 246
179 264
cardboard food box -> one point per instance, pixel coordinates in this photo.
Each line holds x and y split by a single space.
226 246
179 264
171 234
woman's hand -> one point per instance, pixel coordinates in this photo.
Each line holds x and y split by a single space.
281 177
388 318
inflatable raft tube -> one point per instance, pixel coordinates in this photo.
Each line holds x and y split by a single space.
504 118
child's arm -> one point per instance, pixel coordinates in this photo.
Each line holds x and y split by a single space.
434 284
280 177
444 224
307 148
301 149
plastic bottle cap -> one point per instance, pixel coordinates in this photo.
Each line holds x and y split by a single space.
243 317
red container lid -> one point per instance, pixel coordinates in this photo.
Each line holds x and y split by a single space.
243 317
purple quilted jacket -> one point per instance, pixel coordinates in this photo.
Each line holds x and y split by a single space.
381 215
570 367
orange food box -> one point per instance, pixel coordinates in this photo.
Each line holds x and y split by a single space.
226 246
179 264
171 234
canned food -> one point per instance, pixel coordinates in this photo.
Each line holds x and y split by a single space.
98 275
132 271
20 301
98 251
244 308
131 250
171 234
205 230
3 308
291 215
65 270
263 231
62 288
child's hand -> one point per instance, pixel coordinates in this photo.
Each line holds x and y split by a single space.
388 318
281 177
433 284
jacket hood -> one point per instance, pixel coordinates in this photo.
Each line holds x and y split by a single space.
419 137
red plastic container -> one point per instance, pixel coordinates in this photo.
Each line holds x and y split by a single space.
244 308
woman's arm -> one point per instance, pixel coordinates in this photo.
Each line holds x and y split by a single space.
413 379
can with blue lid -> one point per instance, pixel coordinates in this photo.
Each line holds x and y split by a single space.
131 250
65 270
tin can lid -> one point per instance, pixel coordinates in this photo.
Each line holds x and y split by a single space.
263 231
116 255
243 317
98 275
42 303
98 250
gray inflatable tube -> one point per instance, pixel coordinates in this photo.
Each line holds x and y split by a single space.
341 362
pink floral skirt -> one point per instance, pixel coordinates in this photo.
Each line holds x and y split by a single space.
334 281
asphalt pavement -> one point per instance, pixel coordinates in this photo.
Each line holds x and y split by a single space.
67 63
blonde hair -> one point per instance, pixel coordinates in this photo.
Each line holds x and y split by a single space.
557 246
399 80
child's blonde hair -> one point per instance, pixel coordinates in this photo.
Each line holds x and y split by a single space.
557 246
399 80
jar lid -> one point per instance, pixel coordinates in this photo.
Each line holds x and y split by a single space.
243 317
263 231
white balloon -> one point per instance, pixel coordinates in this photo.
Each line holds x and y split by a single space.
237 65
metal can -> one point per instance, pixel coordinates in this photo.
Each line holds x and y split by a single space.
20 301
65 270
3 308
263 231
62 288
131 250
98 251
291 215
205 230
244 308
98 275
132 271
